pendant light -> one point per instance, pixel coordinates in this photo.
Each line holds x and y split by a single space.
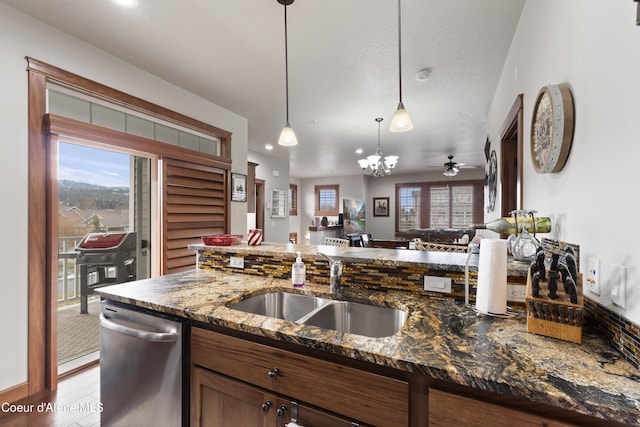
401 121
375 164
287 136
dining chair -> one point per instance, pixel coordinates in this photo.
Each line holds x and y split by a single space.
336 241
440 247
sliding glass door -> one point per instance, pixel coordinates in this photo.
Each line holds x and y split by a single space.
105 235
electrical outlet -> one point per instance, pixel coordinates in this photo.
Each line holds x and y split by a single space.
619 286
593 275
437 284
516 293
236 262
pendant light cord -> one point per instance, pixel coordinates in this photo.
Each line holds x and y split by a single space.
379 120
400 50
286 62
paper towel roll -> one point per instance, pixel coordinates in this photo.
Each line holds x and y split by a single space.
491 295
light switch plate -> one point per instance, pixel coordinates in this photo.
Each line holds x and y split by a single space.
619 286
236 262
516 293
437 284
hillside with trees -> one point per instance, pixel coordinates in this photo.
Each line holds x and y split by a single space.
92 197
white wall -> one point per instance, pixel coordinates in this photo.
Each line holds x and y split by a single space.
592 45
350 187
275 229
22 36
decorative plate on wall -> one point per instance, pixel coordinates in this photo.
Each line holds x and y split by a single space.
492 179
552 128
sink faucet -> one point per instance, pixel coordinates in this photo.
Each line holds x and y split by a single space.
335 270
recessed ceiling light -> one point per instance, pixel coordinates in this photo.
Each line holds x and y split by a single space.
126 3
359 151
268 147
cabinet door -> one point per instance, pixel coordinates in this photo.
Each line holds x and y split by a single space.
309 416
447 409
218 401
340 389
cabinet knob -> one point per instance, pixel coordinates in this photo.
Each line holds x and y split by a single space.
266 406
281 411
273 373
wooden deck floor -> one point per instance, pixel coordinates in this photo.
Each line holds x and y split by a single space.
76 403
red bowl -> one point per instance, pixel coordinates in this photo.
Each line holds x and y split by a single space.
222 239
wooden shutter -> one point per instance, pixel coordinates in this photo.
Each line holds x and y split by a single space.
293 200
194 205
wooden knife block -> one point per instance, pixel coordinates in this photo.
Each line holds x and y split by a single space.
556 318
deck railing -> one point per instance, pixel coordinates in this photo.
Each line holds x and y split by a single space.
68 289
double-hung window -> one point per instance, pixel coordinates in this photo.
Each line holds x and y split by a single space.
326 200
438 205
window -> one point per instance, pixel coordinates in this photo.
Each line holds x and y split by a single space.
408 206
293 200
326 200
439 201
438 205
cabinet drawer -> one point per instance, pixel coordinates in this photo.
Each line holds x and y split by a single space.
447 409
357 394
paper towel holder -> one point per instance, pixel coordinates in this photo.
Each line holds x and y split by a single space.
510 313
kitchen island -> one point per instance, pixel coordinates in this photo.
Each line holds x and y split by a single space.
491 360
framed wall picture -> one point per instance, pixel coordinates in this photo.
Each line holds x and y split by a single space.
380 206
238 187
278 203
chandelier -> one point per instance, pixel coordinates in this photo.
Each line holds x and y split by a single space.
375 164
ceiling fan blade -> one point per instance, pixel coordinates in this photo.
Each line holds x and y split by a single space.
453 166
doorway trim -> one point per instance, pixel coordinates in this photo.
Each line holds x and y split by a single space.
43 130
260 183
511 158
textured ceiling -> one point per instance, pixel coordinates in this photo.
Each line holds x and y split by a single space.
343 68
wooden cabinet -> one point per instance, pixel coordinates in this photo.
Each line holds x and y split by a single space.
219 401
447 409
233 378
328 393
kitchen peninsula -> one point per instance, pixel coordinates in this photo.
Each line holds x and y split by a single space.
317 234
445 354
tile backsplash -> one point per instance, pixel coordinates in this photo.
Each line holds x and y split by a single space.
619 332
622 335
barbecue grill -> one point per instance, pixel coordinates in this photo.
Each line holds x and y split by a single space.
105 259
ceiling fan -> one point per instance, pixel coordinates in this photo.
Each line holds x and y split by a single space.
452 168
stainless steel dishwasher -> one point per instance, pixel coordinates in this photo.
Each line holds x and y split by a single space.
143 371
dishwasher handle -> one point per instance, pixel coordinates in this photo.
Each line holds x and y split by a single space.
138 333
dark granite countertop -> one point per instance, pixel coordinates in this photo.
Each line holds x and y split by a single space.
491 354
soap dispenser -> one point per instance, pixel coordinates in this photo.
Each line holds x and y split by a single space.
298 272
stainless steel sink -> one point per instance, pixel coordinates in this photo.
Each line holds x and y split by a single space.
342 316
282 305
356 318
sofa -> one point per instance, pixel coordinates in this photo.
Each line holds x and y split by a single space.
440 235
